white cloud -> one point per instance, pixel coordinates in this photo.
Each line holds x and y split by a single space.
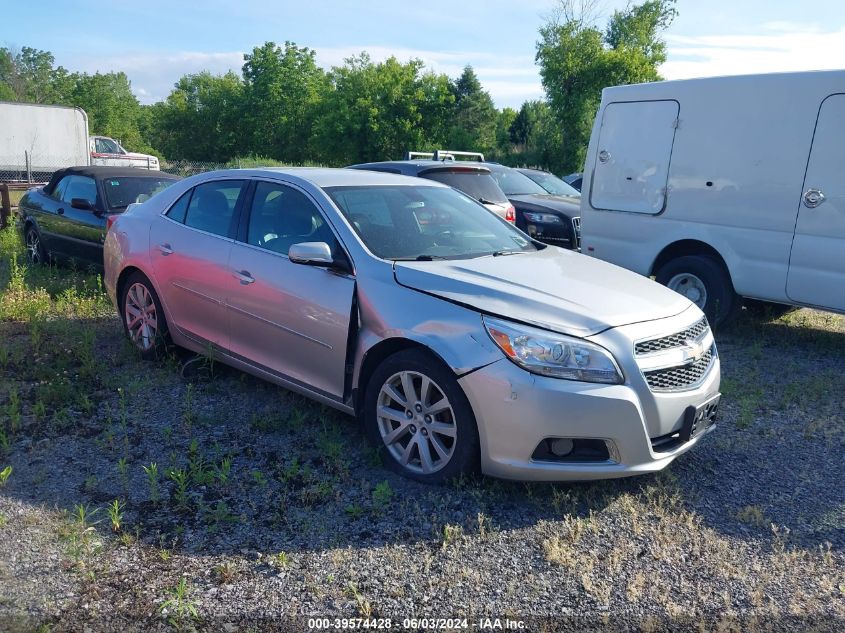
778 50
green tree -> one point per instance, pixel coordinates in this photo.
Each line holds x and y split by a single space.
29 76
201 119
380 111
473 126
282 89
577 60
112 108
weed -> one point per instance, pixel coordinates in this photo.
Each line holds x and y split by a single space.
224 470
365 610
115 510
281 559
178 607
220 514
123 470
4 476
355 511
226 572
152 479
259 478
752 515
382 495
180 493
188 413
451 534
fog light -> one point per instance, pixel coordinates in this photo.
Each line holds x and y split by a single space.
562 446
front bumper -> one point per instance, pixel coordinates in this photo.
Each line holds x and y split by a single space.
516 410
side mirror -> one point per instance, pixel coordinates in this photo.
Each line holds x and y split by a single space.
316 254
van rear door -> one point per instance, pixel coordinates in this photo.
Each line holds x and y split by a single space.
817 262
634 149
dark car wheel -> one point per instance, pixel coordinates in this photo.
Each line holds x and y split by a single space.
143 317
705 282
416 412
34 246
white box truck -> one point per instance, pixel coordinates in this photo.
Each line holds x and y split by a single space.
723 188
40 139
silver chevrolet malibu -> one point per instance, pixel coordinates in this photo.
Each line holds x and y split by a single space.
458 341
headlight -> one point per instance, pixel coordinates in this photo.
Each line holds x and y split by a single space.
542 218
551 354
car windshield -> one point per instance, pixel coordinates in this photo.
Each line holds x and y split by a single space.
404 222
476 184
121 192
514 183
553 184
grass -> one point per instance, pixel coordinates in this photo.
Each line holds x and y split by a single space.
230 464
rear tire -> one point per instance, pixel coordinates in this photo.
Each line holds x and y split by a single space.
705 282
416 413
143 317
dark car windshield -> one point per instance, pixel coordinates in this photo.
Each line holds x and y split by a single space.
514 183
553 184
121 192
412 222
476 184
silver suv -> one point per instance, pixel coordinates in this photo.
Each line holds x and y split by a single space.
458 341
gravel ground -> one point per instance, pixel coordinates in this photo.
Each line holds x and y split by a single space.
285 512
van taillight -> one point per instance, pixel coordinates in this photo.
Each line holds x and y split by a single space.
510 214
109 221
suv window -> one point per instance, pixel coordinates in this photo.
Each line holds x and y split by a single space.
476 184
281 216
80 187
212 206
514 183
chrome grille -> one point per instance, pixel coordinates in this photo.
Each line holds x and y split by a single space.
680 339
576 228
682 377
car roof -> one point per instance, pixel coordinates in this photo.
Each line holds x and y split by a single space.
102 171
418 166
327 176
533 171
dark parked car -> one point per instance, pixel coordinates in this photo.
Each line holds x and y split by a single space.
551 183
473 178
66 218
574 180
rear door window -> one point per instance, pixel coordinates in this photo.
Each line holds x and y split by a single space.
80 187
212 206
634 148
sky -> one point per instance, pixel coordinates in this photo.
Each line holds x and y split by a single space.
155 42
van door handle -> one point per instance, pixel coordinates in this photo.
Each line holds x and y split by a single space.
165 249
61 211
813 198
244 277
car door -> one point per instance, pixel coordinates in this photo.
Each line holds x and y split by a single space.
290 318
816 264
81 231
189 250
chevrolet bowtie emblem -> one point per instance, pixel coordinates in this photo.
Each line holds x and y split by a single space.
693 350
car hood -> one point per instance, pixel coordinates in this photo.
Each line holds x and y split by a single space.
552 288
569 205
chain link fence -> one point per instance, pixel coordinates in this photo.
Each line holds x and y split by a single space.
20 175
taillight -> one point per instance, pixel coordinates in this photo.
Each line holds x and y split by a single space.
510 214
109 221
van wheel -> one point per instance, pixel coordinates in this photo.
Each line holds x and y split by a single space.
705 282
416 412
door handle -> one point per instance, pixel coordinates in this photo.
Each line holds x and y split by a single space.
813 198
61 211
165 249
244 277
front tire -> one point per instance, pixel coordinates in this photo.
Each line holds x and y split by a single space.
35 252
417 414
705 282
143 317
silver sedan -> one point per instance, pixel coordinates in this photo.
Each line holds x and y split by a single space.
457 340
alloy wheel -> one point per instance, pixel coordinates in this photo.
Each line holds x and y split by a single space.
33 246
416 422
140 316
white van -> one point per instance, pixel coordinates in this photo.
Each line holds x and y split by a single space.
723 188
